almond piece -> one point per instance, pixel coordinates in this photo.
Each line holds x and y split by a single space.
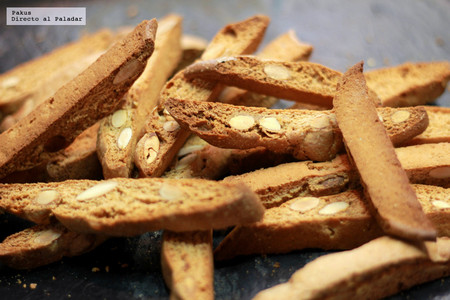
400 116
151 147
440 172
320 122
185 161
130 69
334 208
124 137
170 126
170 192
46 237
277 72
46 197
10 82
440 204
242 122
189 149
270 124
304 204
97 190
119 118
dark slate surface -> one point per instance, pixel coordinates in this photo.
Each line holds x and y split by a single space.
343 32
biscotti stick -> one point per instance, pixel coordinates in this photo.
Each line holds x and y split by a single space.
127 207
298 81
119 132
304 134
90 96
187 264
375 270
22 82
286 47
438 130
392 200
44 244
409 84
163 138
340 221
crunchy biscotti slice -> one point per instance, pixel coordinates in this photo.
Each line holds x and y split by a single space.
90 96
187 264
392 200
438 130
409 84
426 163
341 221
303 133
22 82
119 132
44 244
375 270
298 81
127 207
286 47
162 140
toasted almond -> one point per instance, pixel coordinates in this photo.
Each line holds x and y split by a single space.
151 147
320 122
277 72
46 197
400 116
97 190
10 82
440 172
334 208
304 204
46 237
270 124
189 149
242 122
170 192
124 137
171 125
119 118
440 204
185 161
130 69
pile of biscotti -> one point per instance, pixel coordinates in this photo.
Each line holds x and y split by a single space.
146 129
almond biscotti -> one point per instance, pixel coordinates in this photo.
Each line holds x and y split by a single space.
187 264
375 270
163 138
44 244
298 81
438 130
409 84
22 82
341 221
119 132
286 47
304 134
391 198
127 207
90 96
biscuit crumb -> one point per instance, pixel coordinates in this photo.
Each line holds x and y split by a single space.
53 278
95 269
24 285
19 281
276 265
33 286
107 269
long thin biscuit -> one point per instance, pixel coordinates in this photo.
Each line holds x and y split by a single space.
298 81
24 81
119 132
79 104
286 47
187 264
409 84
392 199
304 134
127 207
44 244
157 148
375 270
341 221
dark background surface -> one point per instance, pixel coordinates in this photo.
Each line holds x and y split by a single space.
385 33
